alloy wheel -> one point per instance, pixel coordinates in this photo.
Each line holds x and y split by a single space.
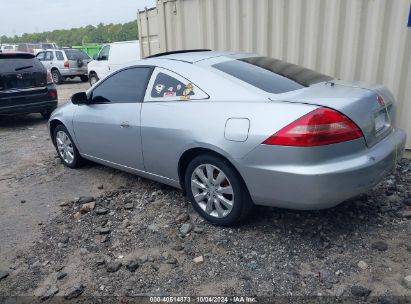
65 147
93 80
56 77
212 190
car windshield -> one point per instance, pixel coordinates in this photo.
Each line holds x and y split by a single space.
76 54
271 75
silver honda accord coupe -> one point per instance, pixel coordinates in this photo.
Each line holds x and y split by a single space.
233 130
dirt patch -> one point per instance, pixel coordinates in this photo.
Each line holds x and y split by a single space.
132 244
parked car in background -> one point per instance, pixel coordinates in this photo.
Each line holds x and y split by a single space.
233 130
38 47
65 63
25 85
112 57
26 47
35 48
8 48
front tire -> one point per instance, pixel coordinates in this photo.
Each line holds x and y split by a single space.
93 78
46 113
66 149
216 190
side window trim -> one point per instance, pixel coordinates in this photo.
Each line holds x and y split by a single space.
40 55
59 54
158 70
105 53
90 94
51 56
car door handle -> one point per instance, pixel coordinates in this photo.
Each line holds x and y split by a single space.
125 124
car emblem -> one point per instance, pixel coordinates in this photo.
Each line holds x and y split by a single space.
19 76
381 101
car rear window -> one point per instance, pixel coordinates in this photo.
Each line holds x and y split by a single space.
76 54
12 65
19 71
271 75
59 55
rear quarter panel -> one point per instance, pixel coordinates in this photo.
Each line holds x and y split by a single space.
170 128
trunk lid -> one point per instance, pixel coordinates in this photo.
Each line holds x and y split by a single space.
360 102
16 81
20 74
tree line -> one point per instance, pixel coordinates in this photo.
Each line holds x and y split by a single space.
102 33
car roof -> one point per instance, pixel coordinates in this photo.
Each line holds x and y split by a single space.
123 42
63 49
193 57
16 55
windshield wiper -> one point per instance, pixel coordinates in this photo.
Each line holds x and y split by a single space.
24 68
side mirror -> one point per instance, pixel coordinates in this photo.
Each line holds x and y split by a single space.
104 57
79 98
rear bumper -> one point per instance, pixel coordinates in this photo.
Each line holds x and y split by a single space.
313 180
29 107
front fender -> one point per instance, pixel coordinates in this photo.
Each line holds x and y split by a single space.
64 115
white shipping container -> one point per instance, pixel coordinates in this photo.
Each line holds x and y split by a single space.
349 39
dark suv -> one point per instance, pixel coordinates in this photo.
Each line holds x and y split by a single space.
25 85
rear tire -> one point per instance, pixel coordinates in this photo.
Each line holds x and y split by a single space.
66 149
225 199
84 78
57 79
46 113
93 78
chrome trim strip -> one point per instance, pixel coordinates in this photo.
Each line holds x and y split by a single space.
24 90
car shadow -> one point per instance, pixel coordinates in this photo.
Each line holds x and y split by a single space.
71 81
322 229
24 120
356 217
360 213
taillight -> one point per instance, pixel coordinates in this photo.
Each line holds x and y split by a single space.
319 127
49 78
66 64
53 94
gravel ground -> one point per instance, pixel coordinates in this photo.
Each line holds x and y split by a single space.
100 232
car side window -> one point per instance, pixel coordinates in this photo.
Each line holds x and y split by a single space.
168 86
49 56
104 53
126 86
40 56
59 56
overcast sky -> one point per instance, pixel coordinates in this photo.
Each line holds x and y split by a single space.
32 16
